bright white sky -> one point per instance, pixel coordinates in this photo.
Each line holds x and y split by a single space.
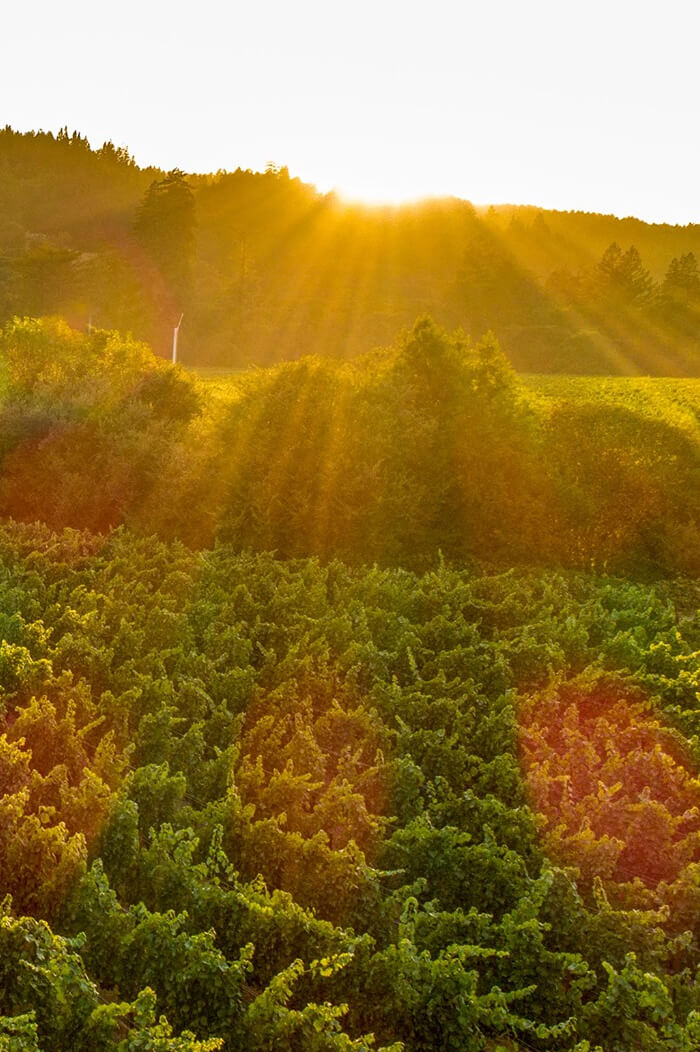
566 104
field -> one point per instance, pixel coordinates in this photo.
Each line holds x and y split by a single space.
652 396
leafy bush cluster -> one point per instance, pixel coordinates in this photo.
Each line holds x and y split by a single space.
302 806
86 423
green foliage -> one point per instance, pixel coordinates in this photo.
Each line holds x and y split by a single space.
280 804
636 1011
18 1033
149 1034
613 783
87 423
282 801
165 225
316 1027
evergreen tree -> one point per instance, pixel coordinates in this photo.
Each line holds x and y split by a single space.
682 281
165 226
623 275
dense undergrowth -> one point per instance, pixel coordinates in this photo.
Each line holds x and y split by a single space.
432 445
290 805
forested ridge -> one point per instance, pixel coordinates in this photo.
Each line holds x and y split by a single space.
267 269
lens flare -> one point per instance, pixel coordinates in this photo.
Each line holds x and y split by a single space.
617 794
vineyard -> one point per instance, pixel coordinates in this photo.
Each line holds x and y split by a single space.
279 805
343 707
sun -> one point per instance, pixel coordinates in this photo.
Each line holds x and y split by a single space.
378 190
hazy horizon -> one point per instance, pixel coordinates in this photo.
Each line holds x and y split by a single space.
583 109
347 197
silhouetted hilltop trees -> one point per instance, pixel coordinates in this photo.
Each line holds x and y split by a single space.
267 269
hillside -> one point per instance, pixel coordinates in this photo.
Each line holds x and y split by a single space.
267 269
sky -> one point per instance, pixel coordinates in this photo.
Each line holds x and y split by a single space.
589 106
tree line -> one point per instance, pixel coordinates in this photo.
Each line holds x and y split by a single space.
434 444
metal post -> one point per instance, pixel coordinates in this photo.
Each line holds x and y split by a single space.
176 331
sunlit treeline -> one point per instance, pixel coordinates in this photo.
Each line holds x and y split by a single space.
432 445
266 269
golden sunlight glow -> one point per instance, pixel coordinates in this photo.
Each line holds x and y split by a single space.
381 190
386 103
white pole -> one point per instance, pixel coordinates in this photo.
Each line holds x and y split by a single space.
176 330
